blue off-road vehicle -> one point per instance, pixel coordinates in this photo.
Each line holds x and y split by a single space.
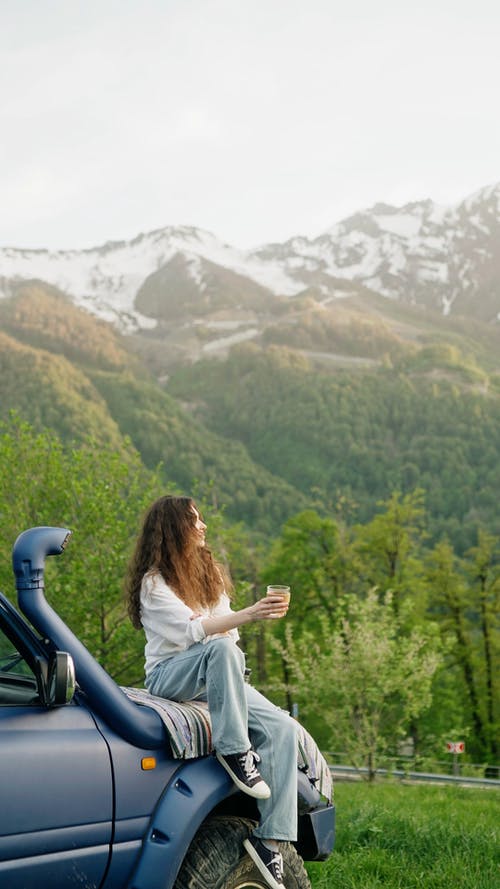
92 792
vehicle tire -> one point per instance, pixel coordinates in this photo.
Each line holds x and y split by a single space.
216 859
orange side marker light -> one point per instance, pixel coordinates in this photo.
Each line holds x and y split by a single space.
148 763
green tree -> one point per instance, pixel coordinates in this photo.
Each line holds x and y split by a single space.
390 546
33 483
99 495
107 496
315 557
451 604
362 680
484 571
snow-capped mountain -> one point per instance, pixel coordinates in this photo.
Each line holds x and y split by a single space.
446 258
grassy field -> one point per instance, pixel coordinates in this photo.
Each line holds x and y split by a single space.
413 837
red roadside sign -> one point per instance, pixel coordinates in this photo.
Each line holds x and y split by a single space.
455 746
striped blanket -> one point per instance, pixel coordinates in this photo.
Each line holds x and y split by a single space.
190 734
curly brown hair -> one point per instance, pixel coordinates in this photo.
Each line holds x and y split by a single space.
168 544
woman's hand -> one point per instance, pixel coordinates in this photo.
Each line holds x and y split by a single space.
270 608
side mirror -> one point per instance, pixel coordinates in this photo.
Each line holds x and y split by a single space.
60 684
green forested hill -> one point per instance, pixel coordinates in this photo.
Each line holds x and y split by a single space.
195 457
49 391
269 429
63 369
433 423
43 317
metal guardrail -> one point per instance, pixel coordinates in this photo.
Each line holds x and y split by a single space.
339 771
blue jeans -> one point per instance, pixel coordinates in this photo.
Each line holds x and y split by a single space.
241 718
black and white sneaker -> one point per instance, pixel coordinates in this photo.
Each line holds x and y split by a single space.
241 767
269 863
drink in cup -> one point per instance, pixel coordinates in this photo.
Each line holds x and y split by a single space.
278 589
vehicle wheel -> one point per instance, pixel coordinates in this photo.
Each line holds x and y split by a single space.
216 859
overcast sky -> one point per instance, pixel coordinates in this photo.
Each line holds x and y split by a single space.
254 119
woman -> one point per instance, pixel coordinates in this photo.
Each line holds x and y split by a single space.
178 594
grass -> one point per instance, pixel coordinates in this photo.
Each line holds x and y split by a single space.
412 837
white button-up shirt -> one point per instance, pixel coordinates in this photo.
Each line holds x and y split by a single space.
168 622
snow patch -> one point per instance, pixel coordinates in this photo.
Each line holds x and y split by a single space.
195 271
434 271
404 225
477 223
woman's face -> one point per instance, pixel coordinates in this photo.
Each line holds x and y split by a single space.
199 527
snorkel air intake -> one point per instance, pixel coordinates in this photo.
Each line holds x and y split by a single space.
30 551
138 725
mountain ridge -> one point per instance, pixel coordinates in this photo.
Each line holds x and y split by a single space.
446 259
